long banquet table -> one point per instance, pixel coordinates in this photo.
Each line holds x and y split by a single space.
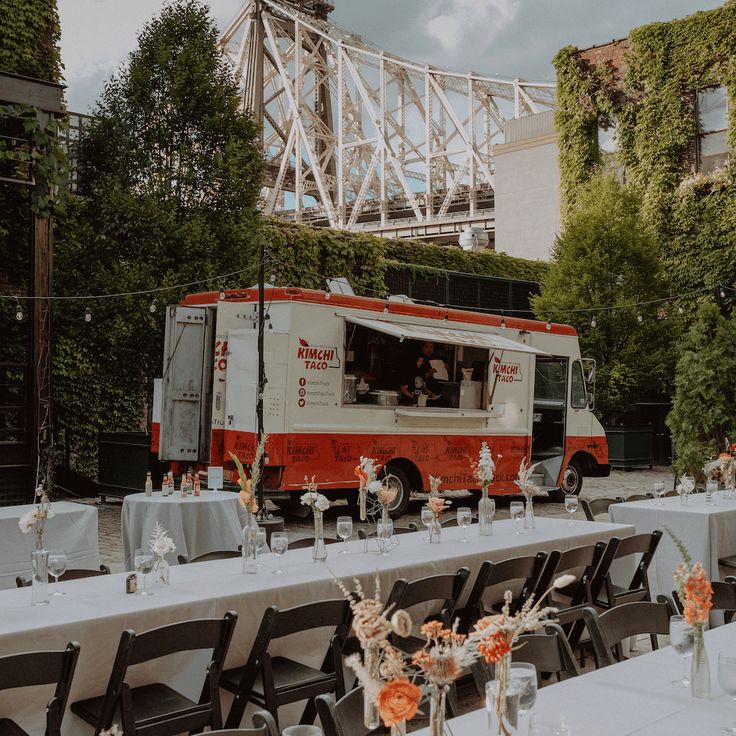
72 529
96 610
632 697
706 529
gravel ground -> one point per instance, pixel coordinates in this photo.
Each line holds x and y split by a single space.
619 483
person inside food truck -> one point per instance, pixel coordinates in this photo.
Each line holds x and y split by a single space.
413 384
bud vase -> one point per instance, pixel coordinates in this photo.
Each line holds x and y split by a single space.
161 571
250 548
486 511
40 577
435 531
319 550
529 522
437 704
399 729
700 673
502 701
683 498
371 717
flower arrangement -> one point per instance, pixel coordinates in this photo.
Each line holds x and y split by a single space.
484 470
529 489
247 498
161 544
36 518
696 595
366 472
685 487
434 485
436 505
316 501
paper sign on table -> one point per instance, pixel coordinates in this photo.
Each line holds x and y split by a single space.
214 478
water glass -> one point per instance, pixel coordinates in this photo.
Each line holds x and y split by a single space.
571 506
279 546
711 487
517 514
525 675
727 682
261 542
302 730
143 561
682 638
344 531
57 567
659 491
464 518
427 517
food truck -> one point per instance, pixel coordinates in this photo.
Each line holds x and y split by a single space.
416 387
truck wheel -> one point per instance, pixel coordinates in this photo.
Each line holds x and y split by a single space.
572 482
398 479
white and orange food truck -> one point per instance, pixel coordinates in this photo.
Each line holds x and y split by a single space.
417 387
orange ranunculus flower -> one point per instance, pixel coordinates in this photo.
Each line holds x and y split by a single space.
724 456
436 504
495 647
361 475
398 701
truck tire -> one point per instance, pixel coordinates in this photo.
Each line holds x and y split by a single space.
572 482
396 477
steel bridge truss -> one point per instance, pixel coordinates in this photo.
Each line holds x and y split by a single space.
362 138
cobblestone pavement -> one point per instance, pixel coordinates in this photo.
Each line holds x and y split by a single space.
620 483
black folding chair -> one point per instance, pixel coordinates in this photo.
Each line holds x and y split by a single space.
40 668
263 725
592 508
273 681
157 709
344 717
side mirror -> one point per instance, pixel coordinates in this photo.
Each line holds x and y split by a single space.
590 399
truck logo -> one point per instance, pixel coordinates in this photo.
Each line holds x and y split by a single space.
505 372
317 357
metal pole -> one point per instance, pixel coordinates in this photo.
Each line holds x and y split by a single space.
261 375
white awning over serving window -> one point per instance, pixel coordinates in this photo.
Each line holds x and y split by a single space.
446 335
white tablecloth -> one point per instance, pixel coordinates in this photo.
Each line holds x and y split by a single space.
197 524
72 529
708 531
632 697
95 611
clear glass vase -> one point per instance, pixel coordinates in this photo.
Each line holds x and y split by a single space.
399 729
486 511
529 522
502 701
371 716
435 531
437 705
250 546
40 577
161 571
319 550
700 673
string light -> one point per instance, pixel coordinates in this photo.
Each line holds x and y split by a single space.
18 311
222 294
87 315
548 326
722 293
680 310
593 322
152 308
639 318
503 323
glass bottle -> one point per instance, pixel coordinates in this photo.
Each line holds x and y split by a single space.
486 511
319 550
700 673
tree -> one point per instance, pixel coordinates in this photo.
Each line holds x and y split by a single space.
607 257
169 181
703 412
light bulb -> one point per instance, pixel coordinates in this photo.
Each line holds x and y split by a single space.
152 308
87 315
222 294
549 326
503 323
19 312
680 310
593 323
723 294
639 318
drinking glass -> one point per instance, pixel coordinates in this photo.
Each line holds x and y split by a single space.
682 638
302 730
517 514
384 531
344 531
57 567
727 682
427 517
525 674
571 506
659 492
261 540
143 561
464 517
279 546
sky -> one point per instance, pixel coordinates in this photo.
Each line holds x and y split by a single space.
503 38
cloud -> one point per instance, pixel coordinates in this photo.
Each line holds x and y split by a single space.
471 23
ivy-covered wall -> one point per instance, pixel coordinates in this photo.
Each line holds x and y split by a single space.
301 255
651 102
